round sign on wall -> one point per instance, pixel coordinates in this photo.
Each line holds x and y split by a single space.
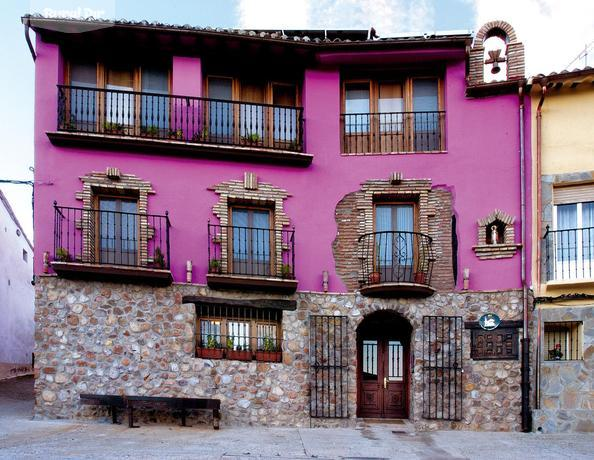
489 321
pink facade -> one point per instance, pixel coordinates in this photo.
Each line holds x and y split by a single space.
481 168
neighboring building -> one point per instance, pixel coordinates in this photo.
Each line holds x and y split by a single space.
16 290
563 262
307 225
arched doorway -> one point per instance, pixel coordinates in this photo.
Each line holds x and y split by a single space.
383 367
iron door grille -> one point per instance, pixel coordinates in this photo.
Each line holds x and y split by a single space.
442 367
329 358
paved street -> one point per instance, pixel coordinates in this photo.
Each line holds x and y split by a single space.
21 437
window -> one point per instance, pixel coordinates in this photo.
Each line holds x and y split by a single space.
25 255
571 244
241 333
118 110
392 115
394 241
562 341
251 241
248 117
118 227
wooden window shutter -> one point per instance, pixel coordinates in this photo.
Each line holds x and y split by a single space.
573 194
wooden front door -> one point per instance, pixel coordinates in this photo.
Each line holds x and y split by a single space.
383 377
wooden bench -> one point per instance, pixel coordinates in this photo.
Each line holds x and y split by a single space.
154 402
114 402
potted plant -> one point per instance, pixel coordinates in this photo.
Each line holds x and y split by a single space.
286 271
149 131
176 134
269 351
252 138
556 353
158 258
212 350
215 266
113 128
70 124
62 255
200 136
238 352
420 277
375 276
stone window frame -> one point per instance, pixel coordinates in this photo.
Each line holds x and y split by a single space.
251 193
508 248
113 182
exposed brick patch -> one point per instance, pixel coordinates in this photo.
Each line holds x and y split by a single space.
354 218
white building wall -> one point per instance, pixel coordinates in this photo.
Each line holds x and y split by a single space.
16 290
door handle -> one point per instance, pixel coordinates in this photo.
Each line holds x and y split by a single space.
385 382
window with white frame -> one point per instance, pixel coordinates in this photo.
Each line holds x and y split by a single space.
570 245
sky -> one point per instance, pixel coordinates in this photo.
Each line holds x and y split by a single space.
554 32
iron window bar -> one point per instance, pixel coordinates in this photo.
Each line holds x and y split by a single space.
396 257
569 254
179 118
104 237
393 132
251 251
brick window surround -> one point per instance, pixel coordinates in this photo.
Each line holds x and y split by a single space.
485 249
354 216
113 182
250 192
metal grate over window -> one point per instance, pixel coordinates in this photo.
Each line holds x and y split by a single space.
563 341
442 367
329 371
241 333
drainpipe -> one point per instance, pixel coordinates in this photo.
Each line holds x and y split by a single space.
28 38
538 230
525 342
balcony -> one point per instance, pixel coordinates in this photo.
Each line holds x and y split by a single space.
396 264
569 256
181 125
111 245
393 132
249 258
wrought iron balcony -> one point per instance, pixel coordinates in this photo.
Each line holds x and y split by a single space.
179 123
393 132
396 264
95 243
569 254
251 258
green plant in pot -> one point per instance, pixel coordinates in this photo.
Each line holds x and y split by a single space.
268 351
176 134
239 352
286 271
211 349
62 255
159 258
150 131
113 128
215 266
252 138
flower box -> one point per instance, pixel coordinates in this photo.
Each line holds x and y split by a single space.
239 355
270 356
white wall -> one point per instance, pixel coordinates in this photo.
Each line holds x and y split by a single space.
16 291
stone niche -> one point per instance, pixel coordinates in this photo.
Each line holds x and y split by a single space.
496 236
496 55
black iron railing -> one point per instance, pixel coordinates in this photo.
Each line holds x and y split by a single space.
251 251
179 118
397 132
569 254
95 236
562 341
396 257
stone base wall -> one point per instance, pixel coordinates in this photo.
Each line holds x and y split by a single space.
567 387
95 337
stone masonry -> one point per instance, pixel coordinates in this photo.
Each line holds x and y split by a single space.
110 338
566 393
